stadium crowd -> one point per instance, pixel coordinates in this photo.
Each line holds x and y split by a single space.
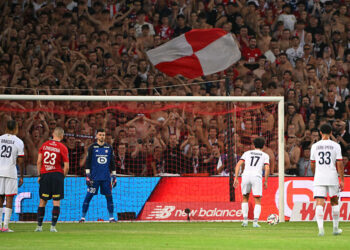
300 50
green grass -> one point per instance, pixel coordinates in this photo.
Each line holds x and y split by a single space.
201 235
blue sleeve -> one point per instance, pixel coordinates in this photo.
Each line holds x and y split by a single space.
89 158
112 166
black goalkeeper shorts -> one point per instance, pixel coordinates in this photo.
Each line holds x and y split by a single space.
51 186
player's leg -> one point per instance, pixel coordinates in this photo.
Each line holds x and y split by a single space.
8 213
257 194
106 190
11 186
41 215
45 195
246 188
320 194
2 199
90 193
333 192
55 215
57 196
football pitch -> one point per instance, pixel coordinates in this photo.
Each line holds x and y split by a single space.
192 235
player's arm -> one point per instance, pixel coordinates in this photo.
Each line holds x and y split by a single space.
38 164
20 163
112 169
88 161
267 172
237 168
65 160
65 168
340 167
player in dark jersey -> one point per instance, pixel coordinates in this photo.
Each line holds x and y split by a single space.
100 164
52 155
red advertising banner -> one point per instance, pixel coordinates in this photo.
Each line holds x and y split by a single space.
194 192
172 211
305 211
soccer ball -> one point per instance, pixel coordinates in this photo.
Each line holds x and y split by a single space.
272 219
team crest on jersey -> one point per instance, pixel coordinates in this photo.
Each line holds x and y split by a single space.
106 151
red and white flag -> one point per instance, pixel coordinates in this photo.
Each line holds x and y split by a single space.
196 53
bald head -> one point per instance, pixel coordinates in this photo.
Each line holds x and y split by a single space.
58 134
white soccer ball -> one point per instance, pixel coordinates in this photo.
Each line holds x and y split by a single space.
273 219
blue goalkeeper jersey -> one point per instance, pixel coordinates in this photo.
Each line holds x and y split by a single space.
100 161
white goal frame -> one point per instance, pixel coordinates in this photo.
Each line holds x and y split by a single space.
277 99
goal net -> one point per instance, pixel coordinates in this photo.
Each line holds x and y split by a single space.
175 156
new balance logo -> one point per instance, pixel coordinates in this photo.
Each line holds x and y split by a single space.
160 212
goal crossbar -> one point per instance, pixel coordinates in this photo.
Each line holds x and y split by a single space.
277 99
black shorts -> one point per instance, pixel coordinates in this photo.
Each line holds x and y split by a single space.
51 186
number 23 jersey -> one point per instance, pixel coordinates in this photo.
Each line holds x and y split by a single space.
325 153
10 148
254 162
53 153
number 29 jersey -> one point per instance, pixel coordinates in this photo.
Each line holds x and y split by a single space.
10 148
325 154
54 153
254 161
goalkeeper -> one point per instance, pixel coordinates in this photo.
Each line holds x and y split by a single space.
100 164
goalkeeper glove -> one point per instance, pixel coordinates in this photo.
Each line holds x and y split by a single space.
89 182
113 181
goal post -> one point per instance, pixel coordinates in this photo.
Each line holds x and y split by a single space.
278 100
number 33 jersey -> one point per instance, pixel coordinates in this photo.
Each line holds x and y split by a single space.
324 154
100 161
254 162
54 154
10 148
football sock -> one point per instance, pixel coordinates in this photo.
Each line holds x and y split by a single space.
86 203
1 217
335 214
257 210
8 212
41 214
110 206
55 215
319 216
245 210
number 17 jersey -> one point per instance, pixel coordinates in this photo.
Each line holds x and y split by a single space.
325 154
254 162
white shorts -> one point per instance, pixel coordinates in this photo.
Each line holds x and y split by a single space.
322 191
250 183
8 186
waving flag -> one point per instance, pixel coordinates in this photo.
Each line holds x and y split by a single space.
196 53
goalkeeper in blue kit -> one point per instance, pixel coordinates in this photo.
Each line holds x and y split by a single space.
100 173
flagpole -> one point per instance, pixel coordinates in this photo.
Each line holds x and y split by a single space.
230 152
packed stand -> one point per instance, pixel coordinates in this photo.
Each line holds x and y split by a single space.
299 50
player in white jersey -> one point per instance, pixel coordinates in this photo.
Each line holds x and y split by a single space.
11 153
254 162
326 158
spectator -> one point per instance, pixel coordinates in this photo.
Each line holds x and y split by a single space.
304 166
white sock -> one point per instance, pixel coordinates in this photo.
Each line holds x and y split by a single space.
245 210
8 212
1 217
319 216
257 210
335 214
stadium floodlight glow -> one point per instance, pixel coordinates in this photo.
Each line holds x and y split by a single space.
276 99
